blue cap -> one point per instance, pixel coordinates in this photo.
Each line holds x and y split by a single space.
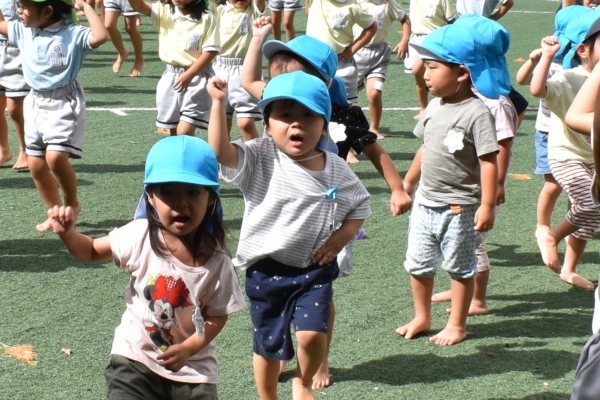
318 54
577 31
562 19
497 42
182 159
461 45
306 89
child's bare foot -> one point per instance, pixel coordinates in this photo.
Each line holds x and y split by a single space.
351 158
138 65
549 250
414 327
379 135
301 392
449 336
419 115
21 164
163 131
119 63
44 226
441 296
576 280
322 379
5 156
477 307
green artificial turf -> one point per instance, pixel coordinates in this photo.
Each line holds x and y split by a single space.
526 348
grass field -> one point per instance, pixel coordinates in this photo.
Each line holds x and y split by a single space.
526 348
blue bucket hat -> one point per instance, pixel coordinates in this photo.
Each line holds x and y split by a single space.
497 42
562 19
461 45
182 159
318 54
306 89
577 31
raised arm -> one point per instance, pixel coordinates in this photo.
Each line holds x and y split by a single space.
252 68
550 47
141 6
99 34
582 111
525 73
218 139
499 13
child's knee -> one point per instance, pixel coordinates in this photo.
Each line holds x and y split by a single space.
131 24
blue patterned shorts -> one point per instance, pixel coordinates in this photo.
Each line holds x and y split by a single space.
437 231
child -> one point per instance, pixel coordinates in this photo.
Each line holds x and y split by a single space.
551 189
13 90
55 117
497 42
183 285
372 60
288 8
303 205
458 176
487 8
332 22
570 154
234 19
112 10
425 17
188 41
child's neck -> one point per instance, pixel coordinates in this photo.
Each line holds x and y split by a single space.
47 24
314 162
463 93
585 63
183 250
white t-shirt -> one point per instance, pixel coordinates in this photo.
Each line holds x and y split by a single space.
161 287
384 12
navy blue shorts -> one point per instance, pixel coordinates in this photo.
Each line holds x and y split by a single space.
280 295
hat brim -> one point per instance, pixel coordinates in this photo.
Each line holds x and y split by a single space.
272 47
595 28
426 54
302 100
180 178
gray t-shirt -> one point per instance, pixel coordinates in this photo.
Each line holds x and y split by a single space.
454 137
288 215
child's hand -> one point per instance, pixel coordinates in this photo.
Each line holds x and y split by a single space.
400 203
409 188
217 89
329 251
401 49
535 55
484 218
79 4
182 83
500 195
175 357
262 28
550 45
347 54
62 219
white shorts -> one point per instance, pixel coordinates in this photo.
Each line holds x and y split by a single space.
12 82
55 121
238 99
191 105
120 6
412 55
347 71
285 5
372 62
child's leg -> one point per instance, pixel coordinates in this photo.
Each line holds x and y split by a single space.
265 374
276 22
138 45
45 184
184 128
321 379
546 201
422 93
375 96
549 243
5 152
575 247
288 23
15 110
247 128
312 347
110 22
456 328
422 288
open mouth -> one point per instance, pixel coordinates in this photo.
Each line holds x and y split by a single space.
296 140
181 220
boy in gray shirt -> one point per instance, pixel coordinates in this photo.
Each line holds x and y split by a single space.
456 166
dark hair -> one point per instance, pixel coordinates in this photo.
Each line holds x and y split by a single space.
60 8
282 58
195 9
288 103
210 232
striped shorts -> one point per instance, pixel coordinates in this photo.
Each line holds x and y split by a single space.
575 178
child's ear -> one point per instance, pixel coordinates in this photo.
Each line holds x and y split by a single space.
325 126
463 73
266 128
47 12
582 51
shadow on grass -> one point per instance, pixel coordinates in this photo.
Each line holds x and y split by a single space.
538 396
507 256
117 89
392 134
106 168
101 228
26 182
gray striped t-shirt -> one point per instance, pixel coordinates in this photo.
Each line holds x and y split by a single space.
288 215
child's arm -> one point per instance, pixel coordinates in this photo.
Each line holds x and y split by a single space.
99 34
336 242
82 247
414 174
502 10
198 66
260 5
141 6
177 355
484 217
227 153
402 48
3 25
503 159
364 38
400 201
596 129
525 73
550 47
580 116
252 68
